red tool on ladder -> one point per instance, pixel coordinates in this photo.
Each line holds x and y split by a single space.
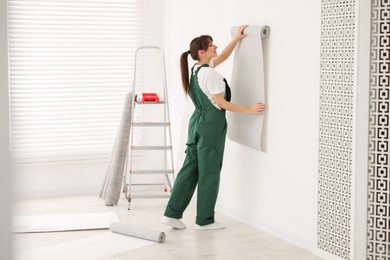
151 97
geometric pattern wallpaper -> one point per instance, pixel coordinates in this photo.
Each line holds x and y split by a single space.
378 218
337 91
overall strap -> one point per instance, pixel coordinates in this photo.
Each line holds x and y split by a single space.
197 69
198 97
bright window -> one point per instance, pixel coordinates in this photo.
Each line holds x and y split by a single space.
71 64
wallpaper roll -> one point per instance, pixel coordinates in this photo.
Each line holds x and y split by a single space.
111 187
247 84
139 232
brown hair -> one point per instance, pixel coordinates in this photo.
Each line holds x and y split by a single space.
199 43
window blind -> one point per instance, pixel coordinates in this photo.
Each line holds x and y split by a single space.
71 64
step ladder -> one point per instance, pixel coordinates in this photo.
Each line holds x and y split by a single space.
161 128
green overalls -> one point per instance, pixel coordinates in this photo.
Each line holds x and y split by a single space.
204 154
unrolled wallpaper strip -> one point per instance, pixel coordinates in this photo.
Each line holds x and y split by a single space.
63 222
106 245
247 85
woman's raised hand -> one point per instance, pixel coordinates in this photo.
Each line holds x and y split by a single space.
240 31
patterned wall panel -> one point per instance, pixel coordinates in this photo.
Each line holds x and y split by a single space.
338 57
378 226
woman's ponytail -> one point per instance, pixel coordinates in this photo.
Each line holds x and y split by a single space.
184 71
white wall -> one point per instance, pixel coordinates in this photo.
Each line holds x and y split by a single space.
275 191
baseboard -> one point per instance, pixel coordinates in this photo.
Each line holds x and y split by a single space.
286 236
325 255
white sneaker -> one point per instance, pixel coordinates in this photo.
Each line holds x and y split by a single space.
212 226
173 222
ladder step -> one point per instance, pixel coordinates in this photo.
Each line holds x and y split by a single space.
162 147
151 171
151 196
147 184
151 123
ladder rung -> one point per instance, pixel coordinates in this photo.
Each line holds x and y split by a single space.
151 196
151 123
147 184
151 171
162 147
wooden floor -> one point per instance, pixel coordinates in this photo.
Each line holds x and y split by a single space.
236 241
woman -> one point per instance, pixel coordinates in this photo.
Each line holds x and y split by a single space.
210 94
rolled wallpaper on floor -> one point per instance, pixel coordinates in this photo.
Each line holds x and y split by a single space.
247 85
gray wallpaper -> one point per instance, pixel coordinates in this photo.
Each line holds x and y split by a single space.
378 226
338 57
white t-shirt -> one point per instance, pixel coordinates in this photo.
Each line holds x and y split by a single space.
210 81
